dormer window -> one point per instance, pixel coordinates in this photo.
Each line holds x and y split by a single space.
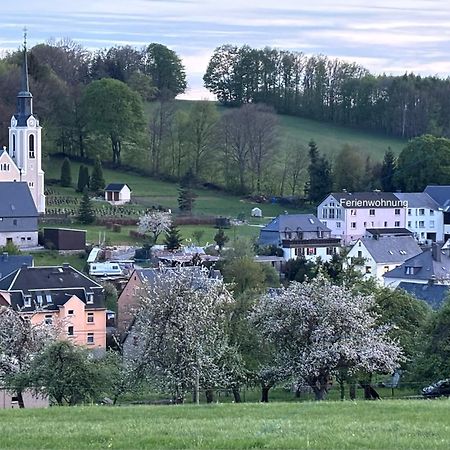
31 146
48 298
90 298
409 270
27 301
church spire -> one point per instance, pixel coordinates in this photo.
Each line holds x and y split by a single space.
24 97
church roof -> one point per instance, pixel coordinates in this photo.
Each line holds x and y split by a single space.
16 200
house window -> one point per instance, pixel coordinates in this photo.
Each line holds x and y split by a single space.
324 213
421 212
48 319
353 212
14 221
353 225
338 213
331 250
90 298
39 299
48 298
396 224
409 270
371 212
385 224
90 317
386 269
431 223
359 254
70 312
331 213
368 269
421 224
397 212
70 330
31 146
431 212
409 211
311 251
90 338
409 224
27 301
338 224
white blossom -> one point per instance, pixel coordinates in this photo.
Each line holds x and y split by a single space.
155 223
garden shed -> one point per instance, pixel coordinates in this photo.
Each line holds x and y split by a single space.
256 212
64 239
117 193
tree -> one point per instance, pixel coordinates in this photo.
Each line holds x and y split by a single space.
244 273
186 194
221 239
154 223
318 329
425 160
114 111
173 238
320 180
179 327
348 169
68 374
66 175
86 214
198 235
20 343
388 172
97 181
83 178
165 69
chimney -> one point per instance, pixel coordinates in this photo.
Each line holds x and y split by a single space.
5 256
436 251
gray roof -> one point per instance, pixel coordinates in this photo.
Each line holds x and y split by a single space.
417 200
433 294
294 222
440 194
389 231
10 263
116 187
363 196
392 249
16 200
425 267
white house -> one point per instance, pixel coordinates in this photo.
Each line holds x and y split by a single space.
256 212
117 193
424 217
375 257
348 215
300 235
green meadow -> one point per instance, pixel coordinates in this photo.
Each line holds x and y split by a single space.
398 424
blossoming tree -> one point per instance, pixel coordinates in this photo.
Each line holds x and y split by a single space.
319 329
154 223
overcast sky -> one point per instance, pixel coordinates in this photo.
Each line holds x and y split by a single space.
386 36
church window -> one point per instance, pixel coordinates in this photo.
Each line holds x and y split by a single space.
13 145
31 146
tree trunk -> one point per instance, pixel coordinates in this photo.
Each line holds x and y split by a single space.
265 394
20 399
209 395
352 391
237 395
342 389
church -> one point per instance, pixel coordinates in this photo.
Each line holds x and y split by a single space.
22 161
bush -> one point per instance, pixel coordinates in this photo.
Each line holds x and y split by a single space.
116 228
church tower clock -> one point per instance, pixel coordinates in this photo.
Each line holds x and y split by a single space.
25 140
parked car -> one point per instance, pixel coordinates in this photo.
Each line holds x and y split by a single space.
439 389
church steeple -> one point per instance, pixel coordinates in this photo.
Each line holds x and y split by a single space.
24 97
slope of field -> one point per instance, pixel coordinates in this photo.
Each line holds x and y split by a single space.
399 424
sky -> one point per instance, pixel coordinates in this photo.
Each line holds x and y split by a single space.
385 36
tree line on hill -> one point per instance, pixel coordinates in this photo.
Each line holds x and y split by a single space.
331 90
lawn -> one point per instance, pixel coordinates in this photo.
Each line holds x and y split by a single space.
400 424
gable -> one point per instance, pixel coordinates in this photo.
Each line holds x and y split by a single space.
8 168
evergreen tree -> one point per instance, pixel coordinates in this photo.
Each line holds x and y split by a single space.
388 170
186 194
173 238
86 213
97 180
320 178
66 173
83 178
221 239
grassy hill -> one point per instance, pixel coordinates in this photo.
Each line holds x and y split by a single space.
399 424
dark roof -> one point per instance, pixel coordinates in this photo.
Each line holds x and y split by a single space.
364 197
392 249
60 281
433 294
10 263
440 194
425 267
116 187
417 200
16 200
389 231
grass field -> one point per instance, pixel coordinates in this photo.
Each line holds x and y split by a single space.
400 424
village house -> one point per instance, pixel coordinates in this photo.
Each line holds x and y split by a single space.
117 193
375 257
62 296
424 217
348 215
18 215
441 195
300 235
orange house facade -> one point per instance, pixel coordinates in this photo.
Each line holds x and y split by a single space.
60 296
